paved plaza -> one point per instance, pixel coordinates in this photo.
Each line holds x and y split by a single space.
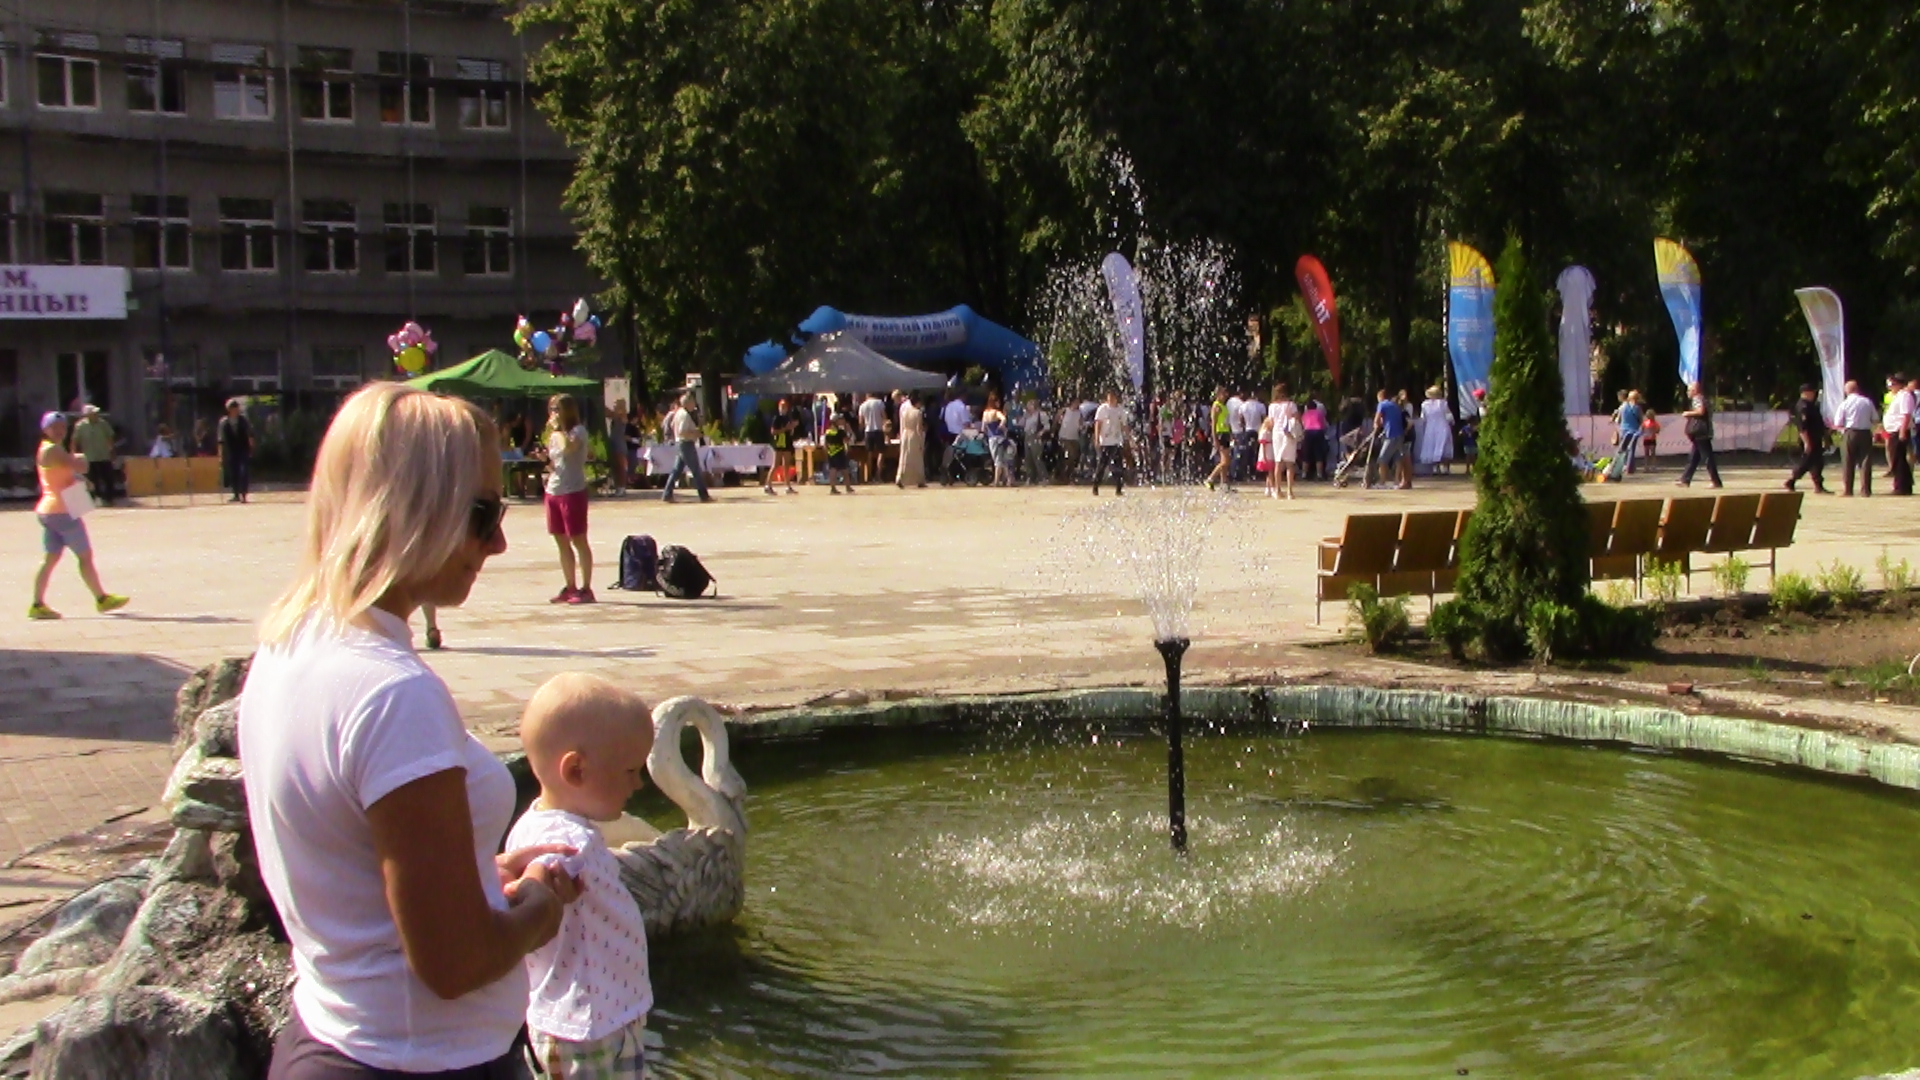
886 591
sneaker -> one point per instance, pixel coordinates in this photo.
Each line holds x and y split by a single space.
565 596
706 498
581 596
42 612
110 602
769 490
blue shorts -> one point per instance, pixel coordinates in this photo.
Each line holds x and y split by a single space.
60 532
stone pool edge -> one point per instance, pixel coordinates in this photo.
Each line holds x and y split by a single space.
1837 753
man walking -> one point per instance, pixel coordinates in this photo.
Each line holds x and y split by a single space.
1855 419
236 442
1253 413
1630 416
1813 439
685 433
93 440
1390 429
953 421
1033 432
873 429
1898 424
1110 436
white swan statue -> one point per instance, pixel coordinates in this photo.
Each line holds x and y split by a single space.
688 878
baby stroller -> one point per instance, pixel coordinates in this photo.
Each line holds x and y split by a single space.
1361 445
972 464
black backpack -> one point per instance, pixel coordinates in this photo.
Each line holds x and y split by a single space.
639 564
681 575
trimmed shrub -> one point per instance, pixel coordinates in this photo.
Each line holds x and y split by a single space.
1553 631
1664 579
1454 624
1731 575
1527 541
1609 630
1383 623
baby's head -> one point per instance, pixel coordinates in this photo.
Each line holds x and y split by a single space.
587 741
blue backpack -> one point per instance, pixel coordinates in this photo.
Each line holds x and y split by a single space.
639 564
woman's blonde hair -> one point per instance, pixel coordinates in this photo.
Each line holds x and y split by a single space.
569 410
391 501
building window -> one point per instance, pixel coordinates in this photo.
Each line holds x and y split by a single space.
162 235
68 82
489 240
6 235
4 73
246 234
253 369
337 366
161 85
243 83
326 85
76 229
405 102
483 103
409 238
331 242
83 380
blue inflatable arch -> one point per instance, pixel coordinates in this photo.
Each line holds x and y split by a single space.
955 335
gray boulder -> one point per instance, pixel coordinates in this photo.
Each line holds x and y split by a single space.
206 793
217 731
145 1033
219 681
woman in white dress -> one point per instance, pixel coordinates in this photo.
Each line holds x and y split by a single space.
1433 446
1288 433
913 442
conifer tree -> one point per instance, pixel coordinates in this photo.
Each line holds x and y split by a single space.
1527 540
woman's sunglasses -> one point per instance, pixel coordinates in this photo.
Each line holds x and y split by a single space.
485 518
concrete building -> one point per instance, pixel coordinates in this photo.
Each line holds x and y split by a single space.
279 184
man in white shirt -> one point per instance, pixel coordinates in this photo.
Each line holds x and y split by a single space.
684 430
1253 413
953 420
1110 436
873 424
1855 419
1069 444
1237 435
1898 424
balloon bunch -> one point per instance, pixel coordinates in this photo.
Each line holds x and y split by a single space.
577 327
413 348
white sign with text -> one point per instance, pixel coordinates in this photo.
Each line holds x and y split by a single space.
63 292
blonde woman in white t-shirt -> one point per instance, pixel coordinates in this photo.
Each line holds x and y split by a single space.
375 814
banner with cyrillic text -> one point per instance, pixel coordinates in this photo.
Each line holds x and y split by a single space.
1827 320
1316 288
63 292
1470 324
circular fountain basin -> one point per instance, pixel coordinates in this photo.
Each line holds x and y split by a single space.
1355 904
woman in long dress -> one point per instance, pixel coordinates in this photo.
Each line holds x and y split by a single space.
1435 446
1288 433
913 440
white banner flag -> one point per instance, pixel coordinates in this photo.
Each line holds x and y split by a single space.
1124 289
1828 322
1576 340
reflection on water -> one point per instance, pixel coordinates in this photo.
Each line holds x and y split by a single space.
1377 905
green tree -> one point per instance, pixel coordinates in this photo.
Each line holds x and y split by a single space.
1527 540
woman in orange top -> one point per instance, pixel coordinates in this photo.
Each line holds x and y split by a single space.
59 530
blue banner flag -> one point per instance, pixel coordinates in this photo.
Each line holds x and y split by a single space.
1470 324
1680 288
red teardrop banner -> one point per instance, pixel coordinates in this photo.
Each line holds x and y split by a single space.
1317 288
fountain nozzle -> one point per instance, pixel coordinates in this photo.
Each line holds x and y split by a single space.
1171 650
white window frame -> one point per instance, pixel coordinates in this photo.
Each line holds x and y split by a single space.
481 238
248 227
321 230
407 87
97 222
488 82
154 72
407 235
255 384
164 225
328 78
336 381
51 46
244 68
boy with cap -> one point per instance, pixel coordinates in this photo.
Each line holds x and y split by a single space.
1813 439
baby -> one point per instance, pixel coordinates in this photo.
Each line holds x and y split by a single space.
587 741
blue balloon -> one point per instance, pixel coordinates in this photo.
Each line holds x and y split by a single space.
542 341
595 320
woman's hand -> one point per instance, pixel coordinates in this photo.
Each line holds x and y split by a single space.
513 864
565 887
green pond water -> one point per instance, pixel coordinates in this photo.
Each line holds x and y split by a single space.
1354 905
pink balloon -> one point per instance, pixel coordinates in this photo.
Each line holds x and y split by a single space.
431 346
394 343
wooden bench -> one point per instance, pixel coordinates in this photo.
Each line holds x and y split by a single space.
1412 554
1775 524
1362 552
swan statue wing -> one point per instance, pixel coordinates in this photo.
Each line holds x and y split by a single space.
696 876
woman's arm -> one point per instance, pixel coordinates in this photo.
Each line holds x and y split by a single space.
454 940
